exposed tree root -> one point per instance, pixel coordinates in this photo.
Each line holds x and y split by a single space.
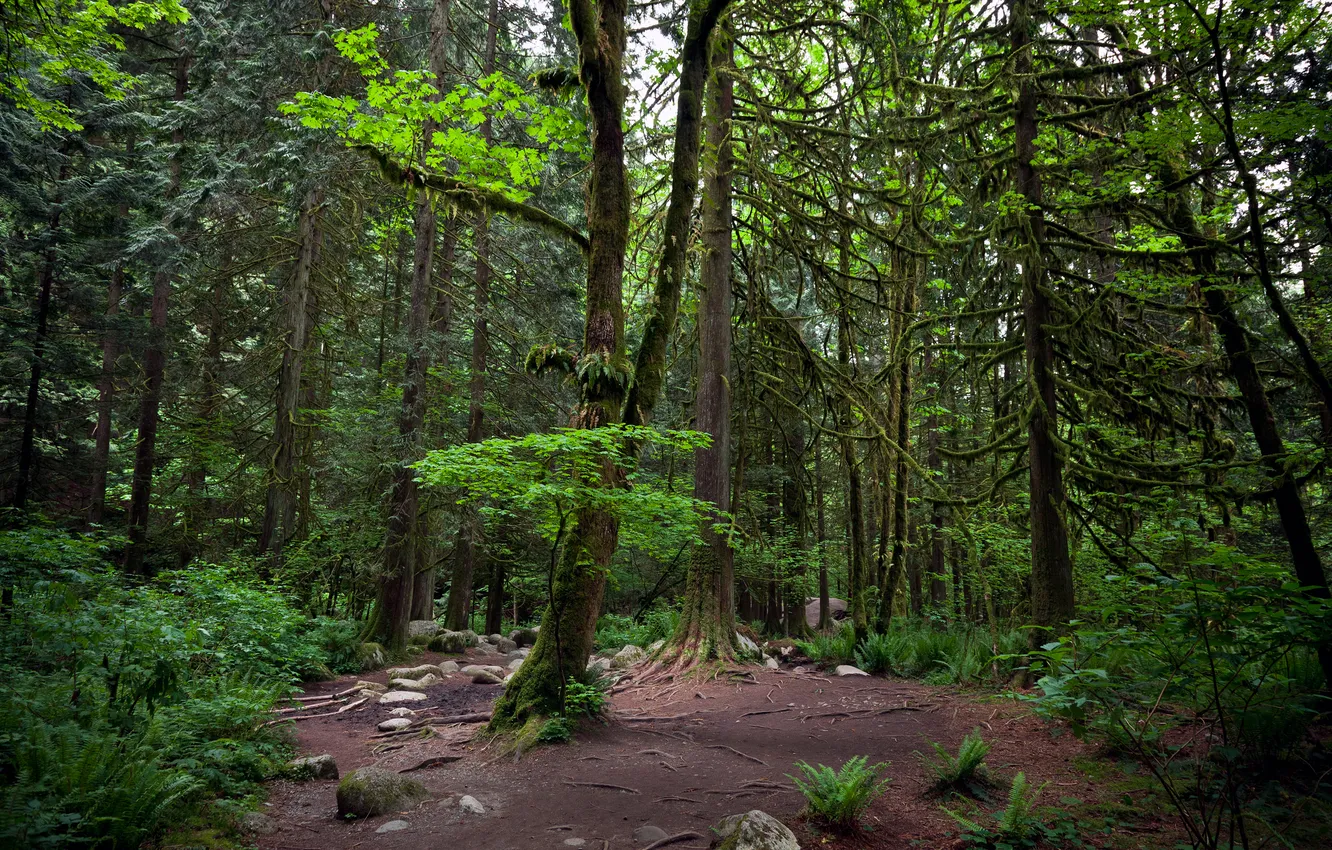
737 752
605 785
672 839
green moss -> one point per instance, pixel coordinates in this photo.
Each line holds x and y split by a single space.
371 791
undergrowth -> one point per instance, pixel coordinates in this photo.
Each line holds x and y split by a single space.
838 798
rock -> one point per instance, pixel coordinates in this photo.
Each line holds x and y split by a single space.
394 697
505 645
412 672
471 805
771 663
574 842
746 645
485 677
848 670
473 669
485 647
416 628
754 830
836 611
394 724
515 664
649 834
371 686
371 791
800 669
258 823
628 657
314 767
366 693
495 638
392 826
372 656
524 637
419 642
655 646
596 666
448 667
415 684
400 711
470 637
453 643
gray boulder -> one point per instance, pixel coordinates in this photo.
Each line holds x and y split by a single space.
417 628
372 656
515 663
746 645
754 830
836 611
371 791
471 805
505 645
393 724
485 677
392 826
596 666
848 670
770 663
448 667
412 672
314 767
451 643
395 697
371 686
258 823
649 834
523 637
470 636
628 657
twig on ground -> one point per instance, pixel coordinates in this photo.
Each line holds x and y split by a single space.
737 752
672 839
758 713
349 706
605 785
678 800
433 761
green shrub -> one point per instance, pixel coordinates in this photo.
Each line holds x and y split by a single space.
875 654
1016 824
615 631
838 798
963 771
838 648
586 699
556 730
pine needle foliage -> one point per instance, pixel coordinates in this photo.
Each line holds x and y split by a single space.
838 798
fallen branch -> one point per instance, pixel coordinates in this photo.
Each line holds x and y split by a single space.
605 785
758 713
349 706
672 839
737 752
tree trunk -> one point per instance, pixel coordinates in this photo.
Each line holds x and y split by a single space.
901 468
707 629
279 524
821 525
1051 569
578 582
154 362
396 583
470 554
106 383
937 563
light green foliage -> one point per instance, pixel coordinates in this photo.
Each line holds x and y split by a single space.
555 730
838 648
586 699
961 771
615 631
397 105
49 44
838 798
547 478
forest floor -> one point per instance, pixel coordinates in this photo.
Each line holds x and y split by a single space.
686 756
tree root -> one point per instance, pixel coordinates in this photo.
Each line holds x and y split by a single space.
605 785
737 752
672 839
758 713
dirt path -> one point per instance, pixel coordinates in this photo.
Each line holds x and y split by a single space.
686 756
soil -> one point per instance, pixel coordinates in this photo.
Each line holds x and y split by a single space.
679 757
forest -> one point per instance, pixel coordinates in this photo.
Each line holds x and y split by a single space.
880 424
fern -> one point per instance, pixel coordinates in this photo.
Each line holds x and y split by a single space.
955 772
839 797
875 654
1016 821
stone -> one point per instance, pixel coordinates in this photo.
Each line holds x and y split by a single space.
448 667
451 643
393 724
485 647
394 697
836 611
746 645
754 830
314 767
800 669
419 642
470 637
370 791
371 686
848 670
628 657
505 645
473 669
401 711
649 834
371 656
416 684
771 663
655 646
515 663
258 823
524 637
574 842
392 826
596 666
485 677
412 672
471 805
416 628
495 638
366 693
